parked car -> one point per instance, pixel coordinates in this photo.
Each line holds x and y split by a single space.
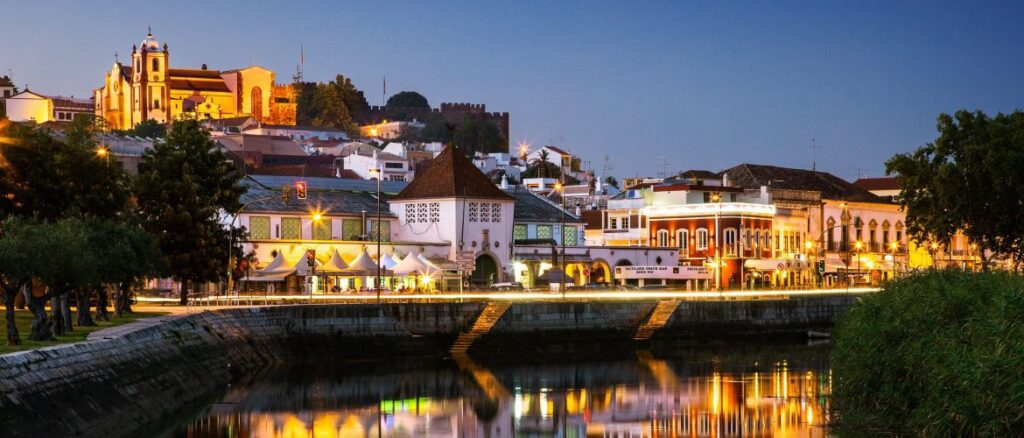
507 286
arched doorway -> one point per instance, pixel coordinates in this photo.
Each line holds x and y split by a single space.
486 271
257 103
600 273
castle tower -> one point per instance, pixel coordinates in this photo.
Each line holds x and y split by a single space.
150 90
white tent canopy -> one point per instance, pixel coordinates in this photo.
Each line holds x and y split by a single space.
411 265
335 265
387 262
362 265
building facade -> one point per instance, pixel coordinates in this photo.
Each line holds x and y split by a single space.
149 88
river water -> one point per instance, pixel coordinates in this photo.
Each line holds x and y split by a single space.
707 391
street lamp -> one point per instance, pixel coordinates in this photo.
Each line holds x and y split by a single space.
380 175
103 153
893 247
717 198
857 246
316 216
561 259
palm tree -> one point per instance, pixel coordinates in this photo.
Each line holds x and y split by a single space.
542 161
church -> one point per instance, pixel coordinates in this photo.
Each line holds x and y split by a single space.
149 88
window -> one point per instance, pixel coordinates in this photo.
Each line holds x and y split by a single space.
625 222
156 65
435 212
899 236
496 212
756 239
322 229
663 238
394 165
257 103
730 241
156 103
885 237
410 213
350 229
259 227
422 213
385 231
474 215
291 228
683 239
519 232
485 212
543 231
569 234
702 239
732 197
614 224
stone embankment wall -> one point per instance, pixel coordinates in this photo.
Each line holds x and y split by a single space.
115 386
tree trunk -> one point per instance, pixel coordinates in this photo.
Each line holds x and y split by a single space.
184 293
123 303
40 322
57 316
102 301
984 261
65 310
12 329
82 297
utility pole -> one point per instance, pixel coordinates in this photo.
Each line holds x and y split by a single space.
814 155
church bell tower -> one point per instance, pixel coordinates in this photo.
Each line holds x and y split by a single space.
151 93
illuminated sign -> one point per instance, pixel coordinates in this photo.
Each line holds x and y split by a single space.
663 272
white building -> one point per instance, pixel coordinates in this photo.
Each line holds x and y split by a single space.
298 133
394 167
452 202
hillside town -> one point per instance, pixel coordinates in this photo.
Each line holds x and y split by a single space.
377 203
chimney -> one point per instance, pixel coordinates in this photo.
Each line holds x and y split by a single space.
504 182
725 180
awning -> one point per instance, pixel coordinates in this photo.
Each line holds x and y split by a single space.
546 257
278 276
834 265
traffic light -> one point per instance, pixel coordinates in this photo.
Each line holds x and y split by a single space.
286 193
821 266
311 257
300 189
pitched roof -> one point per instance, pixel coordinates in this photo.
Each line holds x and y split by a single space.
451 175
695 173
264 144
530 207
197 80
336 184
753 176
882 183
266 199
556 150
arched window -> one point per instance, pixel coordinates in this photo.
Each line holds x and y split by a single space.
156 65
257 103
663 238
730 241
683 239
702 239
756 240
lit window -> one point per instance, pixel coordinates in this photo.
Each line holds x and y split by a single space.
543 231
683 239
702 239
350 229
569 234
663 238
519 232
291 228
259 227
730 241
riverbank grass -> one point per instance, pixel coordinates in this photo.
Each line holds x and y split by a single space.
23 319
935 354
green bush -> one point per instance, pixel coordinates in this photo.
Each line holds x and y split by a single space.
935 354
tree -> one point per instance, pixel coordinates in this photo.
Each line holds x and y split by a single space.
541 165
149 128
611 181
473 135
335 104
63 259
185 184
437 129
967 180
16 244
331 109
305 102
407 99
128 254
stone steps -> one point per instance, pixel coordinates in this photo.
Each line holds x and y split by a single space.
484 322
659 317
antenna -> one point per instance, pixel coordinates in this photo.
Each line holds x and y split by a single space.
664 166
606 169
384 92
861 172
814 155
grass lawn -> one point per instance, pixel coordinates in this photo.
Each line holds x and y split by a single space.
23 319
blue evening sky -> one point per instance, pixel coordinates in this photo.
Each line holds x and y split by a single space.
705 84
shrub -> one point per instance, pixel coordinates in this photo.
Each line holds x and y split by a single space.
938 353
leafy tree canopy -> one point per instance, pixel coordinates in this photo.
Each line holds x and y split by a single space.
185 184
969 179
474 135
408 99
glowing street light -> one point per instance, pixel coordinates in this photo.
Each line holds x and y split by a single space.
104 153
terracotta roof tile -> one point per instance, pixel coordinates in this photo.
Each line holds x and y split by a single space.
451 175
882 183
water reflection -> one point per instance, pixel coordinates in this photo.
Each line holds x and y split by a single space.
642 397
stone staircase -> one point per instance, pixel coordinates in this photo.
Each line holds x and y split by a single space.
483 324
659 317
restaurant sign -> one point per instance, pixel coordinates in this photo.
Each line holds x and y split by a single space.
663 272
